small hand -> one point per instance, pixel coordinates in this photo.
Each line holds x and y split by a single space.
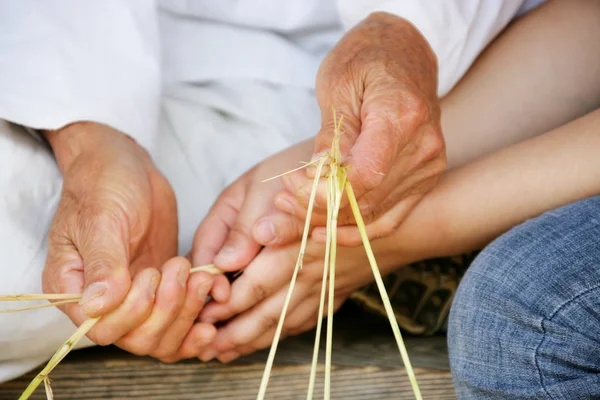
245 217
257 296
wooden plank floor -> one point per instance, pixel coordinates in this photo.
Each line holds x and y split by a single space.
366 360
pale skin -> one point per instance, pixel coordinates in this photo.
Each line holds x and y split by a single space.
475 201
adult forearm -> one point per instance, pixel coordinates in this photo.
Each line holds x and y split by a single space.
474 204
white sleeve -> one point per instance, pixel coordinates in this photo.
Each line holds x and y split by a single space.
70 60
457 30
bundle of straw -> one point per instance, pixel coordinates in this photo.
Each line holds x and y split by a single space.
337 184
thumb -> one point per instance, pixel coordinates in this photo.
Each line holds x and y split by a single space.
104 251
332 116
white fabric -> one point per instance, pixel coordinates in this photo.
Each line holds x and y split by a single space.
457 30
69 60
210 134
30 185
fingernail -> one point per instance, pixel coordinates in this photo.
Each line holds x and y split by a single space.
229 356
208 355
182 276
225 256
265 232
90 299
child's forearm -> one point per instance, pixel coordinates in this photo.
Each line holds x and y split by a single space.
474 204
540 74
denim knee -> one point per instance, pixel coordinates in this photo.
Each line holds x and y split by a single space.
525 322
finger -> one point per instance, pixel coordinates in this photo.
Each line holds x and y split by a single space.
384 226
105 254
199 336
301 320
246 327
198 286
145 338
284 229
240 247
265 275
63 273
136 308
213 230
285 201
221 289
300 185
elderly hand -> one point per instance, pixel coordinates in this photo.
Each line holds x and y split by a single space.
382 77
115 227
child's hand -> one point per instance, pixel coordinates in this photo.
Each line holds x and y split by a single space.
257 296
232 233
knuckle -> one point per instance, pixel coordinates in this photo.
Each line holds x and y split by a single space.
239 232
432 146
99 267
141 347
267 321
101 336
259 291
415 108
386 228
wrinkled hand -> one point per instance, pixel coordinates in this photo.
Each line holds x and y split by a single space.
115 227
382 77
258 295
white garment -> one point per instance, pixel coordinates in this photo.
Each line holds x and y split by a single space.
70 60
211 134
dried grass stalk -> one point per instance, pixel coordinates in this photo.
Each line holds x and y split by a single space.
53 304
28 297
269 365
79 333
336 185
49 394
384 296
209 268
58 356
317 344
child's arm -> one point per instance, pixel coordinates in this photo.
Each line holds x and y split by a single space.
543 72
476 203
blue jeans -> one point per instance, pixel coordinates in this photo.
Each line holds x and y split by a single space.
525 322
